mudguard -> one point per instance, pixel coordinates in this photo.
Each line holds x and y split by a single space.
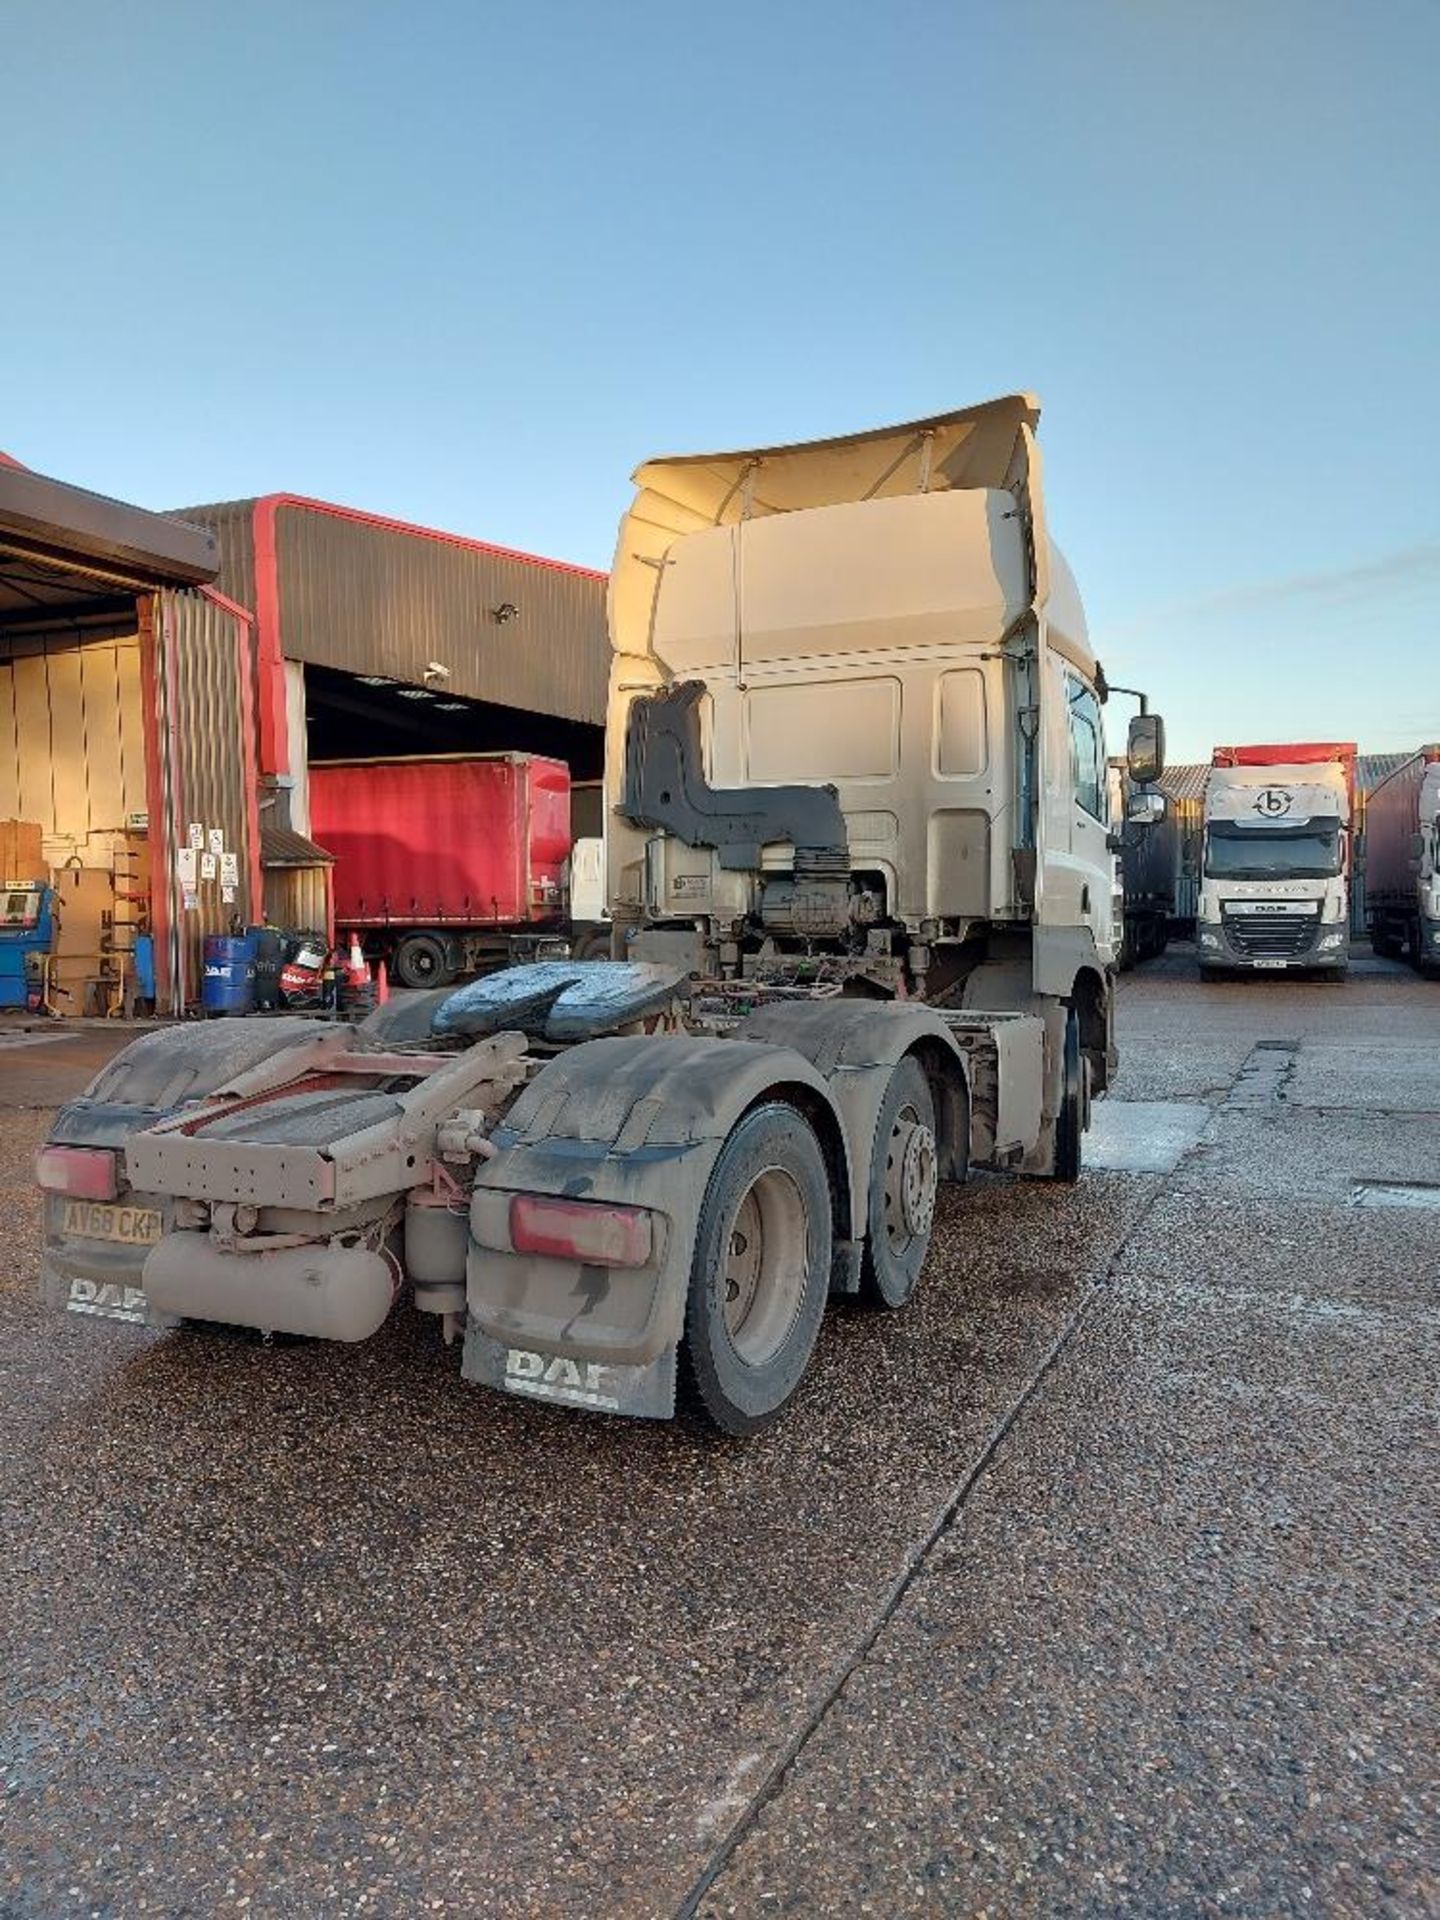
158 1072
635 1121
855 1045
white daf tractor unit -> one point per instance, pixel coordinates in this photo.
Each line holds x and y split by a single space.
1275 867
859 875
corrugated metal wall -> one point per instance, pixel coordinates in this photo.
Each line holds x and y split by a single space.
297 897
371 598
233 524
203 659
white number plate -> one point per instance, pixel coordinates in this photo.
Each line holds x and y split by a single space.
1272 963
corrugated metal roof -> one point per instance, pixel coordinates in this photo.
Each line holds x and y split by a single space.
283 847
1371 768
1186 782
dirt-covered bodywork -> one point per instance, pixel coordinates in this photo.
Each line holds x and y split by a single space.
537 1157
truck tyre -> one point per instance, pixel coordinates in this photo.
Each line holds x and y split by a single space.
900 1204
421 961
1070 1123
761 1272
593 944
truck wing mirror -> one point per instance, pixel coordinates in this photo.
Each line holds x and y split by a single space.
1147 808
1417 847
1145 748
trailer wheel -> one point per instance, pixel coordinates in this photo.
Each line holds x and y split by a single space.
904 1174
761 1271
421 961
1070 1122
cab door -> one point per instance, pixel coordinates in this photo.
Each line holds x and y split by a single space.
1093 864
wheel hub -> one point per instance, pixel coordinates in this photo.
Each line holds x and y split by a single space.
914 1177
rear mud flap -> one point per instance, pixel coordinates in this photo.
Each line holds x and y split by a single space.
100 1299
646 1392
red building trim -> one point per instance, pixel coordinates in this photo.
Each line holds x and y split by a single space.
274 742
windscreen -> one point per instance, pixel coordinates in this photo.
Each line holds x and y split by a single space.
1234 851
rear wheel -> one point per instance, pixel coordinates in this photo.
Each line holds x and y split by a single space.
421 961
904 1175
761 1271
1070 1124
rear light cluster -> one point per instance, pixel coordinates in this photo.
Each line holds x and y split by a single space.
85 1173
583 1230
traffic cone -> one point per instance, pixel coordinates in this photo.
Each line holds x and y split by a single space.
358 970
382 985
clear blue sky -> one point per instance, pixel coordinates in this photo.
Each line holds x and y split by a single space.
468 263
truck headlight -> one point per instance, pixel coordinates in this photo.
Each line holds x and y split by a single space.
1329 940
1209 939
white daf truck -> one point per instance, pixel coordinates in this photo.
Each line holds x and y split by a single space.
857 765
1275 867
1402 861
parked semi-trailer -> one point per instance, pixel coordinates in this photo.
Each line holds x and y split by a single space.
444 862
1147 866
1402 861
857 754
1275 867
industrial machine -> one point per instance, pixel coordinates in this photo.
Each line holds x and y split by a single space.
27 936
857 756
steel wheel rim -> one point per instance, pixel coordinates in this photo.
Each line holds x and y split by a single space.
766 1265
910 1180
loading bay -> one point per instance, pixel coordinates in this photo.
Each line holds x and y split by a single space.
1102 1581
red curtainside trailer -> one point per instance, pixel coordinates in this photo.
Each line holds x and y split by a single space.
443 863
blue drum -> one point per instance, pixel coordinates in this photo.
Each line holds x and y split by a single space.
229 973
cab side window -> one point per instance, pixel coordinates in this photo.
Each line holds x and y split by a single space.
1087 748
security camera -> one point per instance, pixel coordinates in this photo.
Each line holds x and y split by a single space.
436 670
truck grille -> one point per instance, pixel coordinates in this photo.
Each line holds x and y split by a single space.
1271 936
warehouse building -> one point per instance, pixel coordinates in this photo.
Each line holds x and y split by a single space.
165 681
116 657
377 639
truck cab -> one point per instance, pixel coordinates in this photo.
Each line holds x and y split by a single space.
1274 885
856 726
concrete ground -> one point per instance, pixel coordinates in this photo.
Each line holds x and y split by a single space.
1102 1581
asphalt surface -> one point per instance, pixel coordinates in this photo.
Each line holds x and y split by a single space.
1101 1581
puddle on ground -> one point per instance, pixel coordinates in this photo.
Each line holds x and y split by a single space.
1143 1136
1395 1193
